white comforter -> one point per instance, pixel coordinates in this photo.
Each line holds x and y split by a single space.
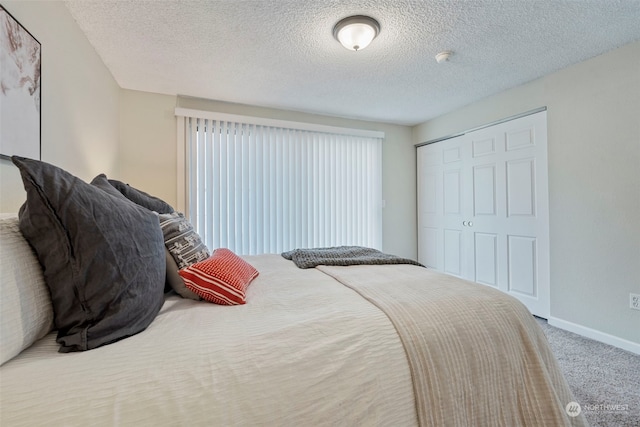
305 350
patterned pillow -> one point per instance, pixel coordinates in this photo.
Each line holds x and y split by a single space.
222 279
181 240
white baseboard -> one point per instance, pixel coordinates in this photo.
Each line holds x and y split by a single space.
595 334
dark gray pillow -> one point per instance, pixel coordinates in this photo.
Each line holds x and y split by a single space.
103 183
182 241
103 257
170 283
141 198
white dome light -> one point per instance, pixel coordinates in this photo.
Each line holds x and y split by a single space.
356 32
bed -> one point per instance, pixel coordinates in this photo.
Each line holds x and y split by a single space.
305 350
360 345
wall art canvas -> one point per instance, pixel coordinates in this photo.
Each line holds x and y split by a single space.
20 55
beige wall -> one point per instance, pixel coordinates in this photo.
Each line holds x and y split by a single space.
148 143
79 101
594 183
148 147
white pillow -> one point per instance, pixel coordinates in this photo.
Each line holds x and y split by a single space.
26 313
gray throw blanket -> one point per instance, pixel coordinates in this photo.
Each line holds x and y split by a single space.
343 256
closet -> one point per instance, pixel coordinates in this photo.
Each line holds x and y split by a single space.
483 207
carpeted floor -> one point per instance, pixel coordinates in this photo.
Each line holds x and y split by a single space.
605 380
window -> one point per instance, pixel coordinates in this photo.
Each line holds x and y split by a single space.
263 186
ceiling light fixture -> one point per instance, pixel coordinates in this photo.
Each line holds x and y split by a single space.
443 56
356 32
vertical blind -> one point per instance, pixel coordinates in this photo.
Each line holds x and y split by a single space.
257 189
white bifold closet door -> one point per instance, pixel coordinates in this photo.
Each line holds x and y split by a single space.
483 208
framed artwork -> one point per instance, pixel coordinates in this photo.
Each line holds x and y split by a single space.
20 56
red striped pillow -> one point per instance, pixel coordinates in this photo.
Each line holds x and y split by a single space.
222 278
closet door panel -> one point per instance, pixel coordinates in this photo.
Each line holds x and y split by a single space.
521 263
521 190
484 189
526 224
486 258
452 192
440 206
428 247
430 197
453 254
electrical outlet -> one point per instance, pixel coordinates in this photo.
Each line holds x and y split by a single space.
634 301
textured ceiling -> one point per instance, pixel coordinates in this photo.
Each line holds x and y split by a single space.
282 54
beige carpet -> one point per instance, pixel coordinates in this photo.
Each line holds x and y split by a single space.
605 380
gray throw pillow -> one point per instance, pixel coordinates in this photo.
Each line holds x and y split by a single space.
182 241
103 257
175 281
141 198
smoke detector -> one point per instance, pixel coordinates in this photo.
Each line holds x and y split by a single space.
443 56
